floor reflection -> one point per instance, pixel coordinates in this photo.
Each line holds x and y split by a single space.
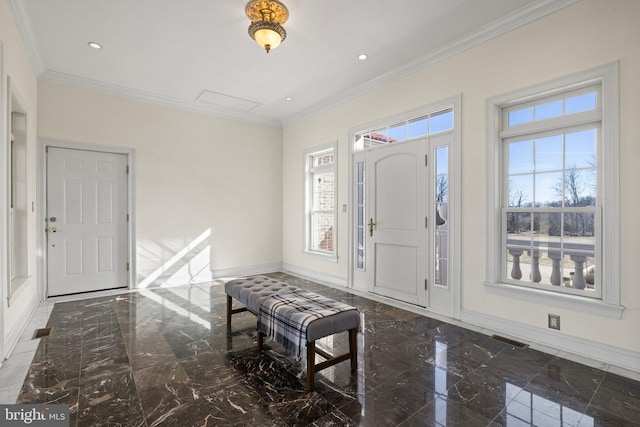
164 356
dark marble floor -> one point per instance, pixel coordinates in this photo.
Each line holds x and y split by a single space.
166 357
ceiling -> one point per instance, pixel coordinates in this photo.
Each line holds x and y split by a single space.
197 55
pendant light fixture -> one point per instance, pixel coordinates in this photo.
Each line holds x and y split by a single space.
267 17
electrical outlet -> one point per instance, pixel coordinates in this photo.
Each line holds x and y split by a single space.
554 321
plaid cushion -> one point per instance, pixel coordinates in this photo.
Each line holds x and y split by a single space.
286 316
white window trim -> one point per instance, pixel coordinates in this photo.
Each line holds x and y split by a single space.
609 304
308 195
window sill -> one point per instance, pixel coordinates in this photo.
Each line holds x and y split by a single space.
328 257
572 302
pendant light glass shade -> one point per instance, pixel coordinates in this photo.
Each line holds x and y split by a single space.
267 18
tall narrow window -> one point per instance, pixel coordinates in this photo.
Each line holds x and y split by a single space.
18 197
360 206
441 203
321 201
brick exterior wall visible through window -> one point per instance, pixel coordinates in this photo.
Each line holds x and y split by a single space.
321 201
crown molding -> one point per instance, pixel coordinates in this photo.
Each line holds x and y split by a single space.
22 21
72 80
501 26
497 28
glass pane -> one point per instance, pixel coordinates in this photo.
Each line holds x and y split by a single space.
589 195
580 225
546 246
360 172
442 214
548 189
580 149
520 157
323 191
441 121
519 117
442 160
518 243
376 138
419 127
441 272
323 159
398 132
441 249
579 249
442 190
519 227
360 249
580 187
547 228
579 103
549 110
521 191
548 152
322 234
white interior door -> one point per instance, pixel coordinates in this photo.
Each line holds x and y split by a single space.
396 222
87 229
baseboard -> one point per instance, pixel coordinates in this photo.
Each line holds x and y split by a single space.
615 356
13 337
246 271
316 276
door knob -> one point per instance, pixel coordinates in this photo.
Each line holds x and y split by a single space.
53 229
371 224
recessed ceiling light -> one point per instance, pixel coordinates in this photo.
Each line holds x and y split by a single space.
362 56
95 45
288 98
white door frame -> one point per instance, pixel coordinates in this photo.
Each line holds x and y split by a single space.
3 217
42 197
455 204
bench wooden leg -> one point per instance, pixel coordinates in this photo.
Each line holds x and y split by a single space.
260 340
311 365
230 310
353 348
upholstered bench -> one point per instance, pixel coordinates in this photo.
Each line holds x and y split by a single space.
295 318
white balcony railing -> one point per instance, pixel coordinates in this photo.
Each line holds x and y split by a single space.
578 252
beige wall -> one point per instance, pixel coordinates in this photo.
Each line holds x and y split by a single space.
18 67
587 34
194 172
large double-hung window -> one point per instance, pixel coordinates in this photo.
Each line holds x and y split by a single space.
554 156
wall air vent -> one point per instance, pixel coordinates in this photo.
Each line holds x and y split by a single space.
43 332
509 341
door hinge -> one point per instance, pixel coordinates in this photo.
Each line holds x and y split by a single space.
127 266
426 159
127 168
127 217
425 284
426 222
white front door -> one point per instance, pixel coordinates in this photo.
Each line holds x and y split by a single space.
87 230
396 232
